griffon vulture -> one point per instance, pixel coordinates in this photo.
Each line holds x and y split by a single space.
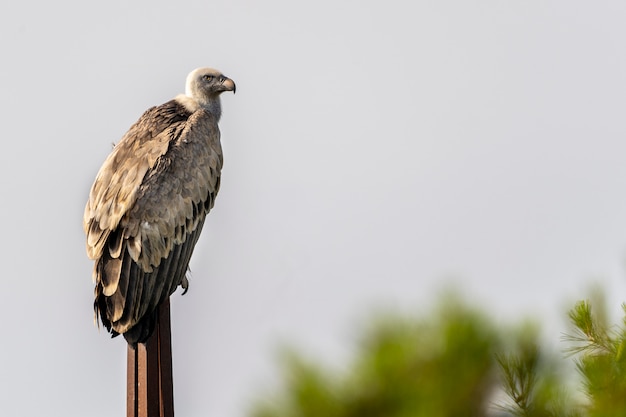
148 203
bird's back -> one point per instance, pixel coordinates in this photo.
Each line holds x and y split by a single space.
145 213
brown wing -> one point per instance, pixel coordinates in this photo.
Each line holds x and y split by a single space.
145 213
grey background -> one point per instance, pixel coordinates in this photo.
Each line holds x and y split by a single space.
376 152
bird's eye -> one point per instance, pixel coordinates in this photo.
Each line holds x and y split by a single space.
207 77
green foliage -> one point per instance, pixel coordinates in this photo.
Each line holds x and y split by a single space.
532 381
600 359
458 363
441 367
438 367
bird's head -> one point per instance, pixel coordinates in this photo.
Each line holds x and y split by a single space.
206 84
203 89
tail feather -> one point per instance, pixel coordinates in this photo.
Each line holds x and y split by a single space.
141 331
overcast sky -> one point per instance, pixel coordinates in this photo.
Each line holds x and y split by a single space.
375 152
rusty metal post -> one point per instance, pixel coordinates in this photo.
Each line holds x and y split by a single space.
166 378
149 384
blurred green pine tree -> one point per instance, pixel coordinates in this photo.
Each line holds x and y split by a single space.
456 362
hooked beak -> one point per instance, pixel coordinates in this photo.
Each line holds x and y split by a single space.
228 85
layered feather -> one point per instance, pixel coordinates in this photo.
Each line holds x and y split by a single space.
146 210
